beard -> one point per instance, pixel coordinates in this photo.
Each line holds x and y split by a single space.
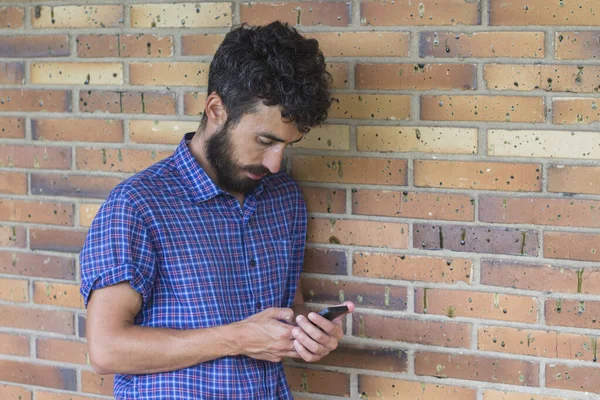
230 174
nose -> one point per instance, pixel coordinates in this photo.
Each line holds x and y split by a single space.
273 160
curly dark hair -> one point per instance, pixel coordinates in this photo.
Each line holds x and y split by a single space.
275 64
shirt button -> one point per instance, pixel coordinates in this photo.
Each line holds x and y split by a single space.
253 262
258 305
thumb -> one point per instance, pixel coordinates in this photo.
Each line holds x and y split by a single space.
283 314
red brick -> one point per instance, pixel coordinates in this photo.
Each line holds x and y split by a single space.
117 160
572 246
81 321
573 179
84 130
567 377
9 392
447 334
362 44
12 73
57 294
34 46
575 111
573 313
97 384
482 108
577 45
462 303
35 157
478 175
29 100
37 265
367 357
39 375
373 171
332 13
323 382
542 12
482 44
82 186
12 236
411 268
365 295
536 343
205 44
140 45
14 290
11 17
14 345
384 388
324 200
324 261
67 351
13 182
358 233
370 106
161 103
12 128
477 368
97 45
413 77
19 317
426 12
36 212
56 240
60 396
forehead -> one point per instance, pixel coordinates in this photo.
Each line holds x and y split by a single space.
268 119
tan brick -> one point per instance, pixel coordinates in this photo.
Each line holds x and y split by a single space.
97 45
567 377
14 345
36 265
77 73
513 77
326 137
97 384
551 78
363 44
542 12
19 317
34 46
12 73
62 350
482 108
12 236
542 277
57 240
38 212
39 375
140 45
413 205
171 74
499 395
477 368
417 139
325 200
11 17
323 382
81 130
447 334
60 396
367 357
573 313
411 268
9 392
413 77
162 103
536 343
573 179
367 295
117 160
462 303
35 100
577 45
202 44
575 111
339 74
324 261
328 13
14 290
13 182
543 143
384 388
73 185
57 294
374 171
478 175
358 233
160 132
12 128
35 157
94 16
482 44
370 106
87 212
572 246
181 15
193 103
426 12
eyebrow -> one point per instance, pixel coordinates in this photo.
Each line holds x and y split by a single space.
269 135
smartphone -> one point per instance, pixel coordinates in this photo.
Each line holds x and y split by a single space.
331 313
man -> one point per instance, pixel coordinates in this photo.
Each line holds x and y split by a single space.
190 269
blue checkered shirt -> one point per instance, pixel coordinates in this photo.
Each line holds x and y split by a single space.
199 260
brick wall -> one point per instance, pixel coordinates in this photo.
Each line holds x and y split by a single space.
454 193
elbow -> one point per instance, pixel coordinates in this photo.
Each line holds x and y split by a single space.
101 358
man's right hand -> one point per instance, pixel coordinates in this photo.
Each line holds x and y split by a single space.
267 335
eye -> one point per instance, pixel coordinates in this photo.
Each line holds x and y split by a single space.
264 140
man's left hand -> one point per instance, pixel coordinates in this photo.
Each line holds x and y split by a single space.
315 336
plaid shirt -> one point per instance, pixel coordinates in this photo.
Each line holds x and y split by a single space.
199 260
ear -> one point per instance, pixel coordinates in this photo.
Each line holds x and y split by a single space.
215 109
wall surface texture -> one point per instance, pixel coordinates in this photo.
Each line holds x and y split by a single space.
454 193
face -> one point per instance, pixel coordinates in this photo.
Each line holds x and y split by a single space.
242 155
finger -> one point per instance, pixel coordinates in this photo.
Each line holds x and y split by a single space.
291 354
304 353
282 314
310 344
317 335
331 328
